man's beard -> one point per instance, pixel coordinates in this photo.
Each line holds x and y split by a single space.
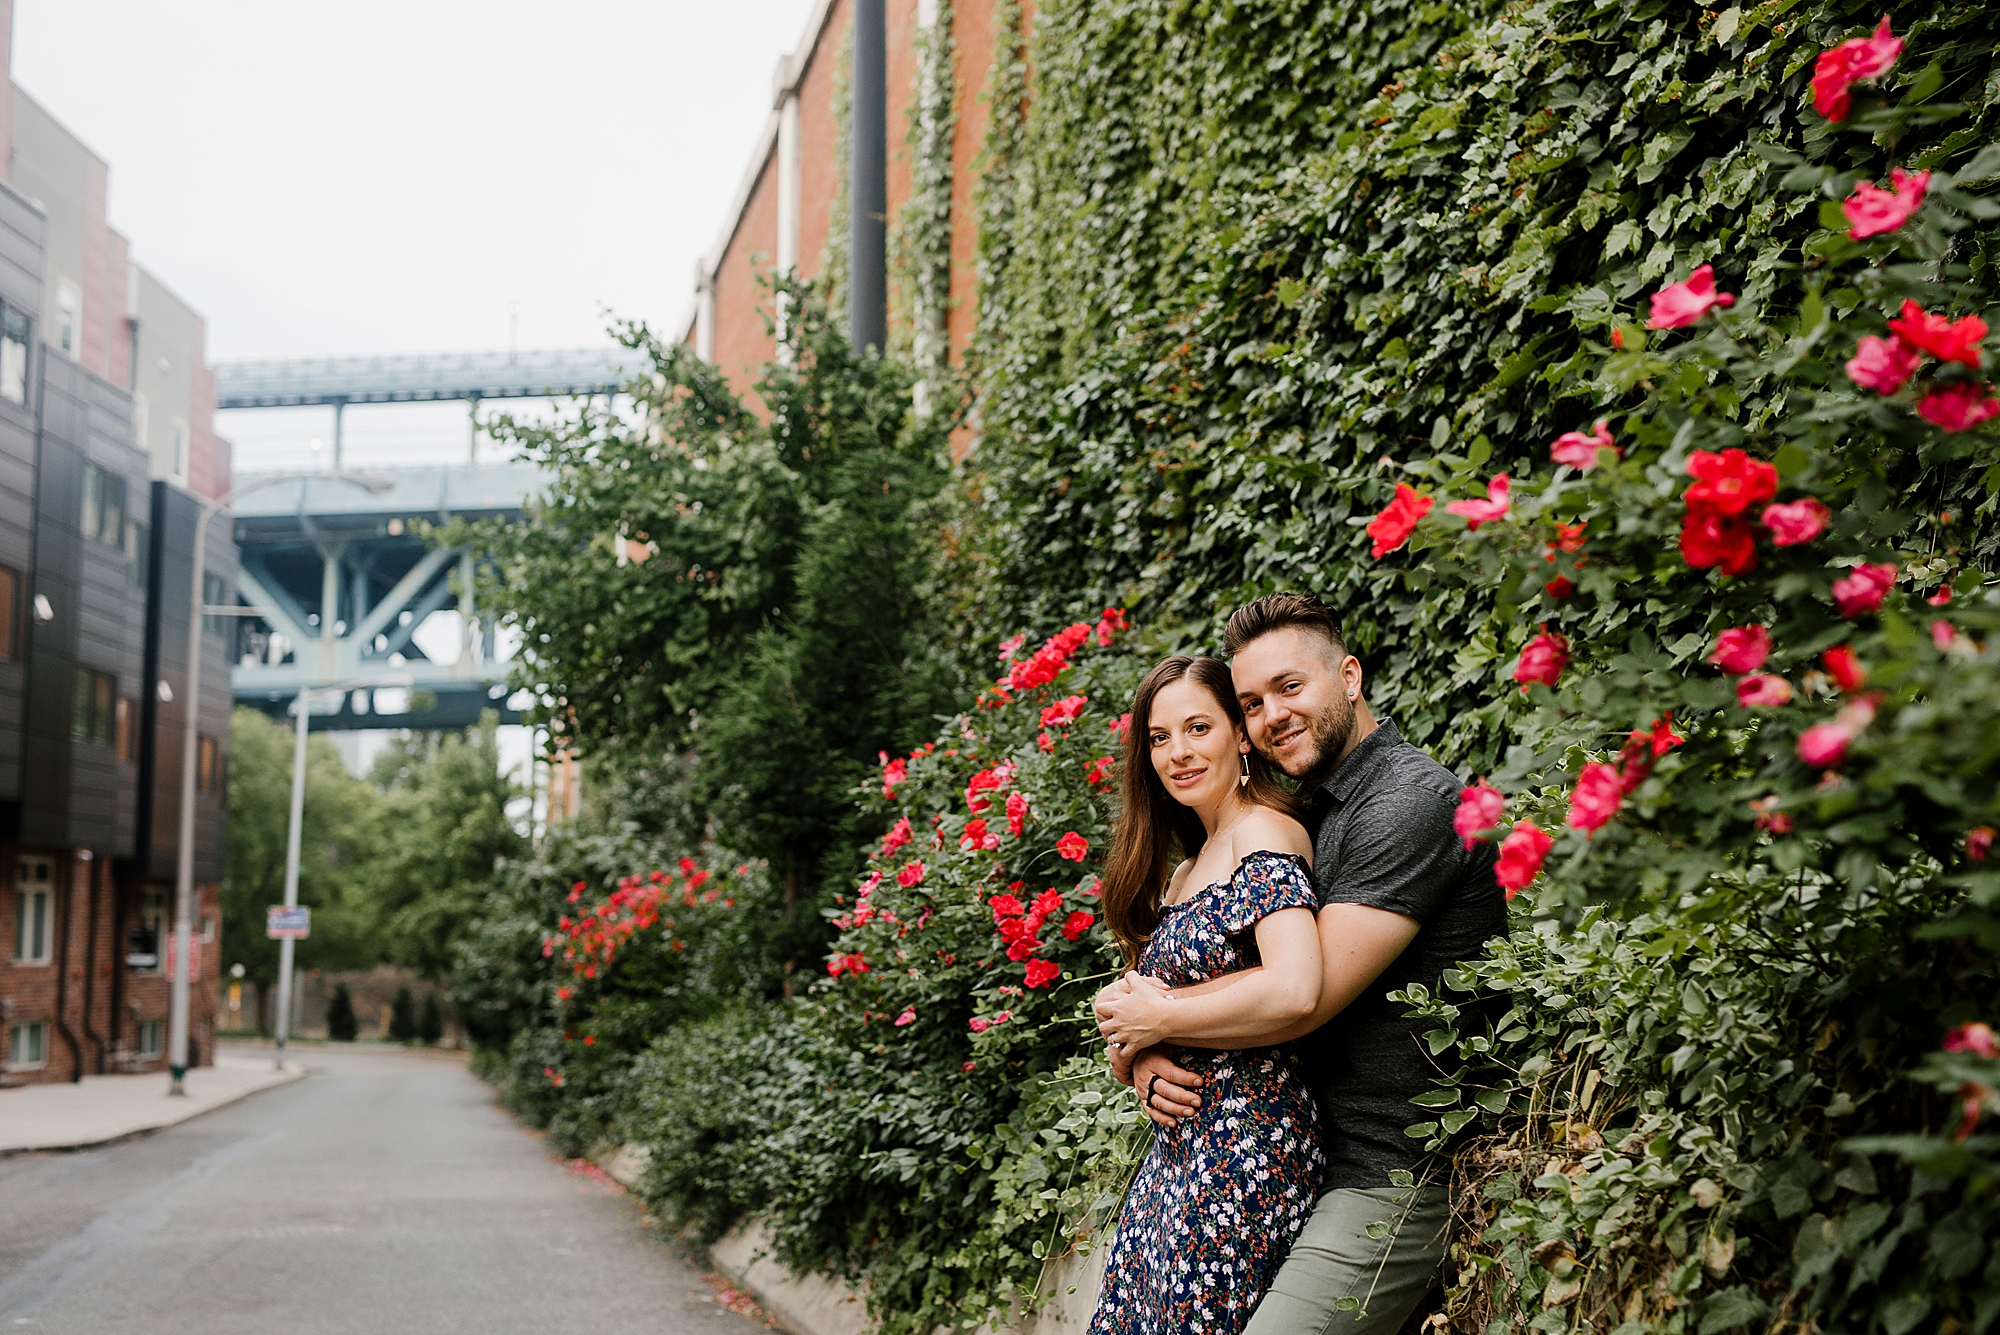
1331 730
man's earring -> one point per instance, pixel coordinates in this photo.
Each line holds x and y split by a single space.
1243 780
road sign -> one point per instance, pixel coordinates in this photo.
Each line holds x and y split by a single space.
194 954
281 922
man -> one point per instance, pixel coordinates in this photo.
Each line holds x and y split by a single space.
1402 900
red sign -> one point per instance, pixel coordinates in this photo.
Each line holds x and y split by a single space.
174 954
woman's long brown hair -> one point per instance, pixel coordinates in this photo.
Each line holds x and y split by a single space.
1154 831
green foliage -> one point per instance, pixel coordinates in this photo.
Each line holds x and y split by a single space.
430 1020
341 1024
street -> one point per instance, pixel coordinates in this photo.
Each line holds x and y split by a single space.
384 1193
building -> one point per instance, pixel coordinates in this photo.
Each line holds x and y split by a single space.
790 213
107 452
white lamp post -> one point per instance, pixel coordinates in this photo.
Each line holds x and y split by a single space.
177 1024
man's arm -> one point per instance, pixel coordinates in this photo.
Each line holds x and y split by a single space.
1356 943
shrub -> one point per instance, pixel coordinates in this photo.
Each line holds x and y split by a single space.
341 1026
430 1020
403 1017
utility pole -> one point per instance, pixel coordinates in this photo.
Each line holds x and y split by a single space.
868 183
293 834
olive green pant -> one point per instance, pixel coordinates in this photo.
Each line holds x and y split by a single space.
1342 1279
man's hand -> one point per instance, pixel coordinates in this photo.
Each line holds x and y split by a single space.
1120 1058
1169 1092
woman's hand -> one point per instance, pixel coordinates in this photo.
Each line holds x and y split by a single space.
1139 1016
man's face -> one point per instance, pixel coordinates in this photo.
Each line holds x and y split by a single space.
1295 699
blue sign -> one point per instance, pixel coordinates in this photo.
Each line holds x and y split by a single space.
281 923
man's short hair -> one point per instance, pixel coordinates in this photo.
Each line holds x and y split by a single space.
1276 611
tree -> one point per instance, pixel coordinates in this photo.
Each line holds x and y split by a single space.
444 827
338 834
341 1026
430 1020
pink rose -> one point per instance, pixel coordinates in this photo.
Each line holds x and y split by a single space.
1872 211
1882 364
1479 808
1845 669
1976 1038
912 874
1943 634
1580 451
1957 407
909 1016
1542 660
1741 650
1596 798
1493 507
1853 60
1862 591
1762 690
1825 744
980 1026
1681 304
1521 855
1794 522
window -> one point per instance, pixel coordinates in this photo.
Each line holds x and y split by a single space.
28 1044
34 900
124 730
13 356
149 1038
103 515
135 553
10 593
180 449
69 316
207 767
94 711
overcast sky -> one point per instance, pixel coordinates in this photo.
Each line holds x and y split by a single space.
371 176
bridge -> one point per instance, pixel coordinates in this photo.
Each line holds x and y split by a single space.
341 579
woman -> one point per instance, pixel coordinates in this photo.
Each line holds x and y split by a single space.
1223 1193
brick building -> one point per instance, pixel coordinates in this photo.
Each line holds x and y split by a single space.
785 214
107 450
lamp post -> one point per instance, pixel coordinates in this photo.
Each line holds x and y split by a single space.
294 836
177 1024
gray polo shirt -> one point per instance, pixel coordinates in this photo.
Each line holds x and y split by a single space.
1382 836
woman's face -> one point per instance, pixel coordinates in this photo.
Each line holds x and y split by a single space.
1194 748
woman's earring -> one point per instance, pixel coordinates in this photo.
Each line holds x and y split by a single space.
1243 780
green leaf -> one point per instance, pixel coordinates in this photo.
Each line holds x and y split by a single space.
1730 1309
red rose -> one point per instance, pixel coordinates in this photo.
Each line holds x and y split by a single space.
1825 744
1480 808
911 875
1872 211
1004 906
1064 711
1042 972
899 834
1392 528
1099 771
1979 842
1494 507
1795 522
1017 813
1862 591
1049 902
1942 337
1542 660
1711 539
1596 798
1073 847
1678 305
893 773
1853 60
1521 855
1077 923
1958 407
1741 650
1844 668
1728 483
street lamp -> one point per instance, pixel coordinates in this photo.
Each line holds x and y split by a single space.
177 1024
294 836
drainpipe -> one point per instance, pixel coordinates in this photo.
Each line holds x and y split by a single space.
62 969
90 966
868 183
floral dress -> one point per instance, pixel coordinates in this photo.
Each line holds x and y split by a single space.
1220 1198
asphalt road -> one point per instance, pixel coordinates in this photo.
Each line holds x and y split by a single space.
385 1193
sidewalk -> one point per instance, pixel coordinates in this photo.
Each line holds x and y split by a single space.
111 1107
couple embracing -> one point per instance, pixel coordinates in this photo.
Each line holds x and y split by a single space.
1253 1020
